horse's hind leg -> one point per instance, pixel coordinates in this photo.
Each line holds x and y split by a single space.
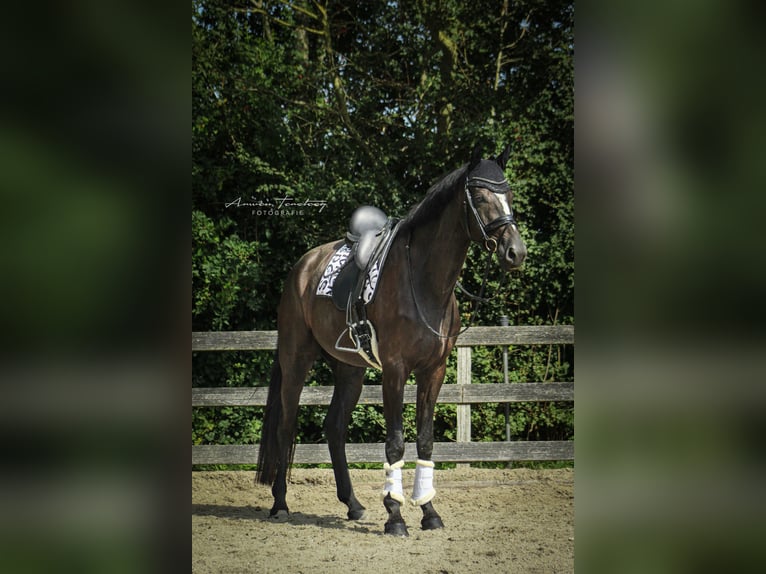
348 387
296 357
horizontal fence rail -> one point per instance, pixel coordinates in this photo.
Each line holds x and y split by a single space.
376 452
267 340
373 394
462 394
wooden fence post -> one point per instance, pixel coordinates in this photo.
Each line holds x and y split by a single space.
464 411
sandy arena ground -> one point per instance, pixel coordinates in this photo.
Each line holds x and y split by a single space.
516 520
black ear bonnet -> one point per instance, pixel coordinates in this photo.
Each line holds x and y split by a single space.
488 174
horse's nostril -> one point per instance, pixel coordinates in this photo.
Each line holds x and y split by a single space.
514 257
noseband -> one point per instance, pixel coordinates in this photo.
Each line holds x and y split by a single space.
488 229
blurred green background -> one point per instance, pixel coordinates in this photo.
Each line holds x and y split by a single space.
95 259
670 372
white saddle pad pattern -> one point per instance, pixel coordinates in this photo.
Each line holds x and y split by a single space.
333 268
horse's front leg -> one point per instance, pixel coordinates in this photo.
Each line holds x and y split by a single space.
393 496
429 384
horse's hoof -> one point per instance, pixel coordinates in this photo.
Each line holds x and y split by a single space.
431 523
279 514
356 514
396 529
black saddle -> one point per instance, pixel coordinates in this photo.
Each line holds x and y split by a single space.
369 235
365 232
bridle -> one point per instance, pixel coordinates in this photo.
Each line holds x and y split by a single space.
487 229
490 244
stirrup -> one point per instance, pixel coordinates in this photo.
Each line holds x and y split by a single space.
358 348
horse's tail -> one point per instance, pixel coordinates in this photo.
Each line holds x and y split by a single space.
268 453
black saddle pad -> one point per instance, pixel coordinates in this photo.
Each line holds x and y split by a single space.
344 283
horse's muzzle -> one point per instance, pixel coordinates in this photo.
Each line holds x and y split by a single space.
513 257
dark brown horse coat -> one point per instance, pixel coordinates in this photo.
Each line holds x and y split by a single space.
415 301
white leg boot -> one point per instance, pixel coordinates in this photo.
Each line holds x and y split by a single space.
423 491
393 484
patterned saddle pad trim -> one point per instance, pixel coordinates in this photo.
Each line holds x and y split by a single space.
330 274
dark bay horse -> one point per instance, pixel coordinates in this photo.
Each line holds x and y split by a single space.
415 314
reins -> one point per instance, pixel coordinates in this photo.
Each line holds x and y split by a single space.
477 299
490 244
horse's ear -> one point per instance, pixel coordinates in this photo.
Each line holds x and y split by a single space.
475 156
502 159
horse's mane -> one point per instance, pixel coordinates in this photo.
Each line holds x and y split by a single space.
436 199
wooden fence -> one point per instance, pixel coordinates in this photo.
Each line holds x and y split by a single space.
463 394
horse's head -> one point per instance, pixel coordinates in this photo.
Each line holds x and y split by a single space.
489 209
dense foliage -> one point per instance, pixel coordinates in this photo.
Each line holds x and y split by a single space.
333 104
